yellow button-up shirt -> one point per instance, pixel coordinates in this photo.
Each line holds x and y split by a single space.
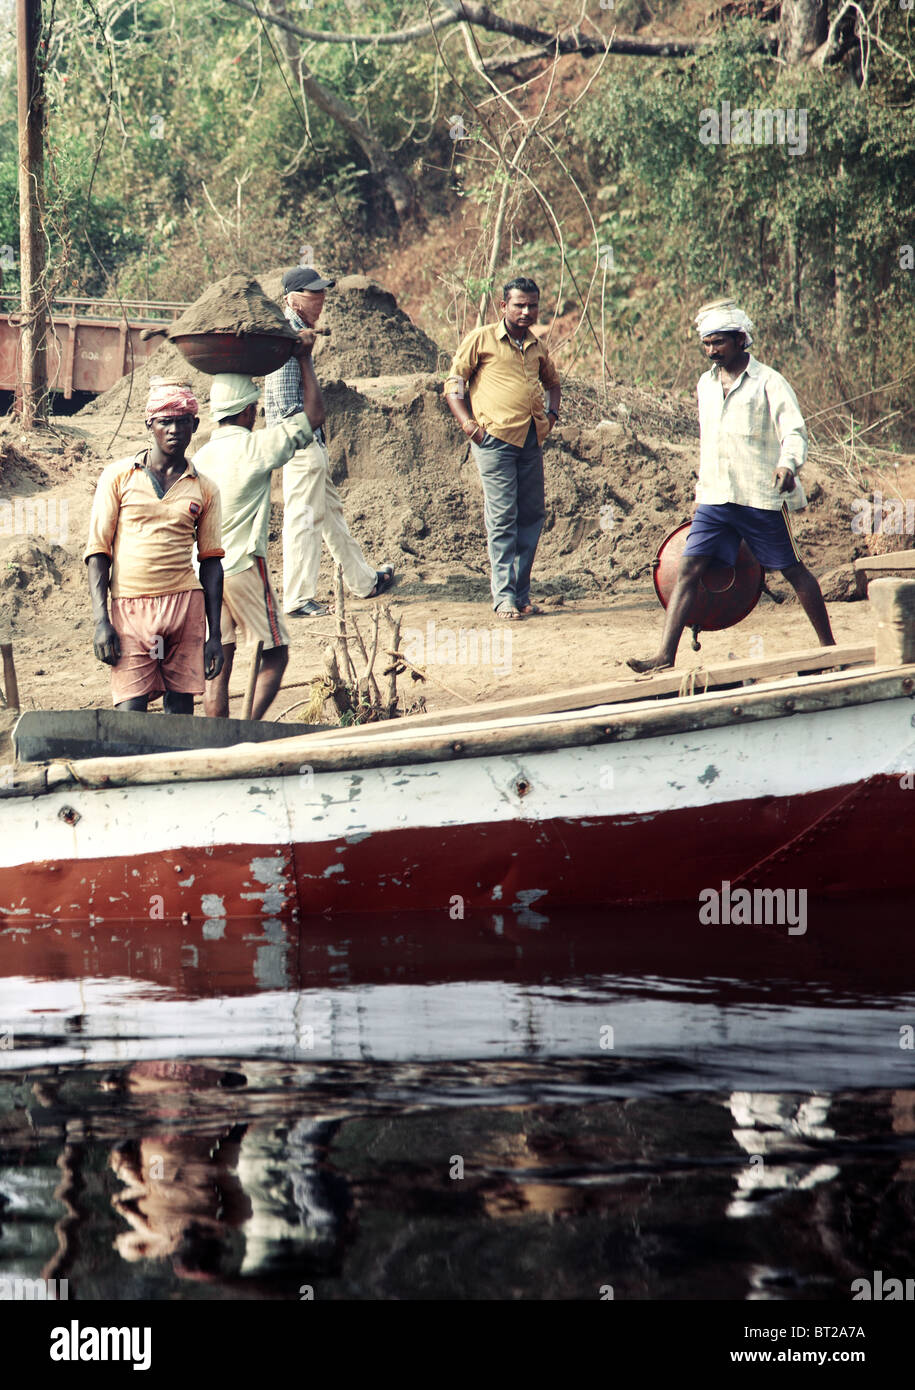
506 381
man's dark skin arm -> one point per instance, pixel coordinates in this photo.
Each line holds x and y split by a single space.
105 642
211 581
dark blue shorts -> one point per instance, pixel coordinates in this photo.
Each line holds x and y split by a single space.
718 531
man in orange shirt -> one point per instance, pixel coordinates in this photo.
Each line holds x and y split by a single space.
147 514
503 370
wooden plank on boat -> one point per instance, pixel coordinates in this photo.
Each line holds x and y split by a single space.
668 683
291 757
43 735
892 560
893 602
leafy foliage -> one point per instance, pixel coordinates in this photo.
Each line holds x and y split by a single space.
809 241
187 123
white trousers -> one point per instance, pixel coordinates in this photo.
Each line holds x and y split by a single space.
312 511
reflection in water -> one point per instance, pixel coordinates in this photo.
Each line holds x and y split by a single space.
180 1193
245 1202
456 1112
768 1128
297 1203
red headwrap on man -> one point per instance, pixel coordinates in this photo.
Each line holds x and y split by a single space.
168 398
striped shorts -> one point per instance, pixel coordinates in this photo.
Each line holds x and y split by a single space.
250 611
718 530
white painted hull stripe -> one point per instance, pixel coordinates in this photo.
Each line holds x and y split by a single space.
770 758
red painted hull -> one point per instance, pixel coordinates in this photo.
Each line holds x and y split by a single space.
833 842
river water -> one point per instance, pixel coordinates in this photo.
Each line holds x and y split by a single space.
529 1106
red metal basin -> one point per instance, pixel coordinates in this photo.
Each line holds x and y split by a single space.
727 593
253 354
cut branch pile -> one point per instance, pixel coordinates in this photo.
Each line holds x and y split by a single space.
349 691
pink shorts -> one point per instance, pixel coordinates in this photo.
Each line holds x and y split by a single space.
162 638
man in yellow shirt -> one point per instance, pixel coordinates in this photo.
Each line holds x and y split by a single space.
503 370
147 514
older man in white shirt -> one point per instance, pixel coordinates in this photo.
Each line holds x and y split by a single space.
312 506
753 442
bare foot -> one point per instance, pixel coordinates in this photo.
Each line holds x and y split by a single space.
648 667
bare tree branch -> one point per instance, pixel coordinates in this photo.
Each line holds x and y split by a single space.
482 17
399 188
402 36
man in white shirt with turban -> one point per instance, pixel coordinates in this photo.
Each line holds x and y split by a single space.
753 443
241 461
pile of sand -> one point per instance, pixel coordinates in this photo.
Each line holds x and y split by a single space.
413 493
369 335
234 304
13 463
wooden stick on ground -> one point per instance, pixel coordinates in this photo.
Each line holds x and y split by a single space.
361 691
344 660
10 684
391 702
368 687
368 677
423 675
248 704
337 689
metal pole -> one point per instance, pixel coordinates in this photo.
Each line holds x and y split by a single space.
33 394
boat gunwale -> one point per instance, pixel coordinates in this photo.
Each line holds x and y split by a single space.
450 741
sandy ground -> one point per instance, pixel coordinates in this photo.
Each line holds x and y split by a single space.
583 642
580 643
577 640
599 601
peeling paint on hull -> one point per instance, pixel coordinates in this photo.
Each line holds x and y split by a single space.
666 857
814 801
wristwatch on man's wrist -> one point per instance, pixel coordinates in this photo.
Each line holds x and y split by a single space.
470 426
554 413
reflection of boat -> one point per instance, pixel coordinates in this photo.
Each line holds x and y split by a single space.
151 961
745 1008
625 793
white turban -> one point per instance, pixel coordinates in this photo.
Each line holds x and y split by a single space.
726 318
230 393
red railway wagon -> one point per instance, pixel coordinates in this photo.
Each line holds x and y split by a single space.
92 343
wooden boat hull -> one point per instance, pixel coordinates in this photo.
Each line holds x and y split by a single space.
669 857
751 790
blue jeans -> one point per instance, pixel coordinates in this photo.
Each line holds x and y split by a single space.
513 509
